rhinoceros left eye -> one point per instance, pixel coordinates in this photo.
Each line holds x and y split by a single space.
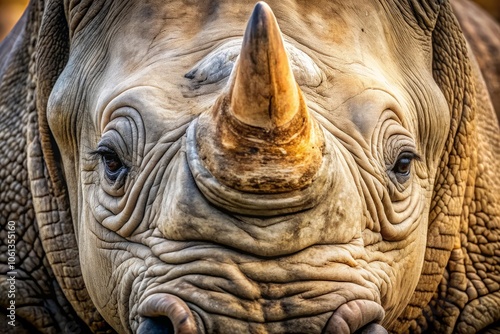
402 167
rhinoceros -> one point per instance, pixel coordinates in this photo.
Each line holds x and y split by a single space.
225 167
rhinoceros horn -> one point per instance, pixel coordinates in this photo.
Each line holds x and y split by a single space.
264 93
260 137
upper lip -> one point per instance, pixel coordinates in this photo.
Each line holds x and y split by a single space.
350 317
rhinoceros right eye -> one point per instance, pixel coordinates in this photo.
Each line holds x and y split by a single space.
113 166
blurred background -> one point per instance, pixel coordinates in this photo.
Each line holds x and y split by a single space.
491 6
11 10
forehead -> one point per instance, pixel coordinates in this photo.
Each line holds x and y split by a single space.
337 31
305 20
157 42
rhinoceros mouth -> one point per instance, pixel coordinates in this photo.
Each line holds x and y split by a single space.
209 288
166 313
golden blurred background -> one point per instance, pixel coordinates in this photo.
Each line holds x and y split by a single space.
491 6
11 10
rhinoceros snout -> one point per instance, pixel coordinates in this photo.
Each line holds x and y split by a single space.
357 316
165 313
157 325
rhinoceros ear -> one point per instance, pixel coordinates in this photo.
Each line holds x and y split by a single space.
453 73
49 53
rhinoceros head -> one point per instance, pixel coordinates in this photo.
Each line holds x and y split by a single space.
278 173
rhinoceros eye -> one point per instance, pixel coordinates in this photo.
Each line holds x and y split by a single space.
113 166
402 167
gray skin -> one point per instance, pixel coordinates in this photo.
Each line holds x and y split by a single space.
174 166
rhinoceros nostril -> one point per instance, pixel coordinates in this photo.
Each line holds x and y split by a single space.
356 316
372 329
166 313
156 325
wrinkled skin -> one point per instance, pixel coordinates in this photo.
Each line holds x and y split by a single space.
482 34
180 178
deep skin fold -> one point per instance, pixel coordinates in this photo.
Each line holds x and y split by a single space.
348 124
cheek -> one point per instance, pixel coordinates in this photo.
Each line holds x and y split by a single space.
407 268
413 261
97 267
413 256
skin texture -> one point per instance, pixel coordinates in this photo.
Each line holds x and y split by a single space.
143 165
482 33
